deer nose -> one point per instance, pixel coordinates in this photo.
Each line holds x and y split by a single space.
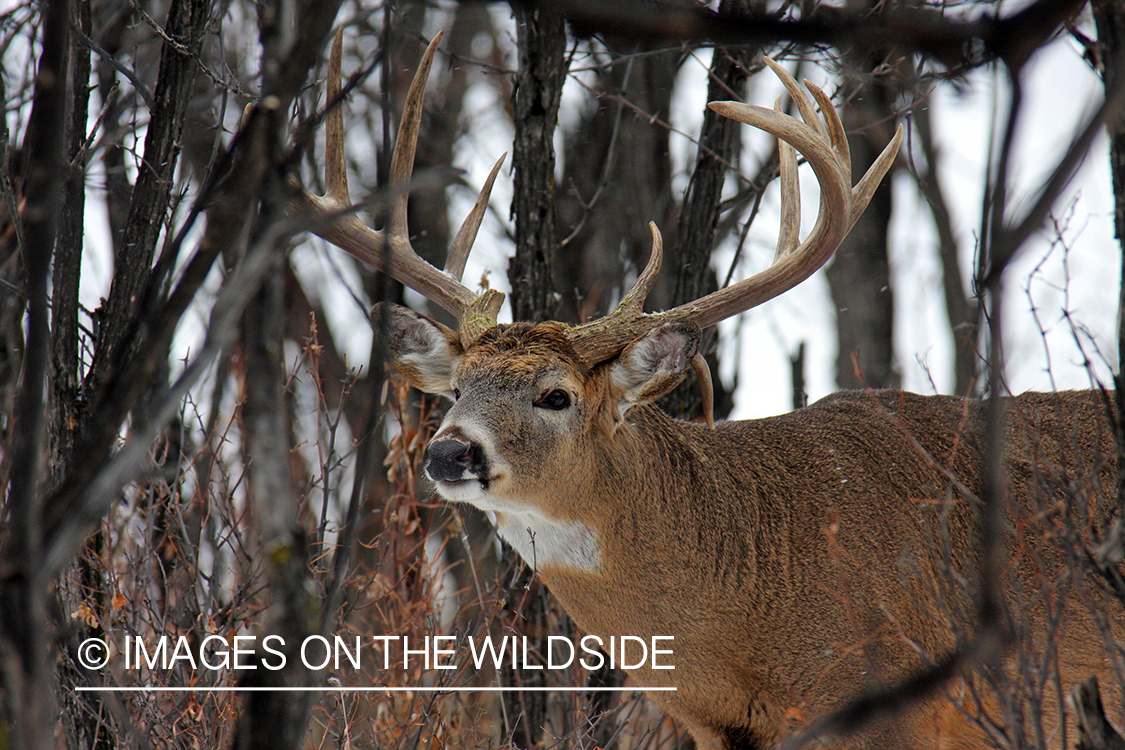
448 460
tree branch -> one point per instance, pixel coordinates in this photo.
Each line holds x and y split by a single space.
957 44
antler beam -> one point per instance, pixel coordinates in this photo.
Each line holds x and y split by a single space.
822 141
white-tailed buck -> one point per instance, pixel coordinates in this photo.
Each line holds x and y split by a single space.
796 560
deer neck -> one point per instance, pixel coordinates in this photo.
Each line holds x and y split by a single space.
643 506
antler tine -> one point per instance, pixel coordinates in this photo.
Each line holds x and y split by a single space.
634 299
840 205
467 234
706 388
805 105
836 132
390 250
335 166
406 143
788 235
824 144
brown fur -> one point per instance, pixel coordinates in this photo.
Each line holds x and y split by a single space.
803 551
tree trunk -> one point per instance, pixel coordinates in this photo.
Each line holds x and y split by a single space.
859 275
1109 18
697 232
148 211
541 37
24 634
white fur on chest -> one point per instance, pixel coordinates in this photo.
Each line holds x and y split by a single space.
543 541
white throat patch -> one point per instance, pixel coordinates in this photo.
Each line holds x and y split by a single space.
543 541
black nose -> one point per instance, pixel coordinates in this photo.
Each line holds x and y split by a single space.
448 460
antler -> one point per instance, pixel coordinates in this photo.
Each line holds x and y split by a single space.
825 147
333 215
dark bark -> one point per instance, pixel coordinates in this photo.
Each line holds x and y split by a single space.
24 634
148 210
1109 18
66 404
859 274
797 376
12 296
82 715
541 36
720 142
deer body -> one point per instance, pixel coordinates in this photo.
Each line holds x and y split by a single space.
722 540
796 560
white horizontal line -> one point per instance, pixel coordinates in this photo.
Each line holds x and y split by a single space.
368 689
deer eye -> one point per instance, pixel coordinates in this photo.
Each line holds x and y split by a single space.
556 400
456 394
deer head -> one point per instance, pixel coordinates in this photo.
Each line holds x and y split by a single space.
535 402
430 364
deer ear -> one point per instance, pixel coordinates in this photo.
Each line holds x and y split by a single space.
654 364
422 350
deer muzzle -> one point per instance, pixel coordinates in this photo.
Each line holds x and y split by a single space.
455 460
